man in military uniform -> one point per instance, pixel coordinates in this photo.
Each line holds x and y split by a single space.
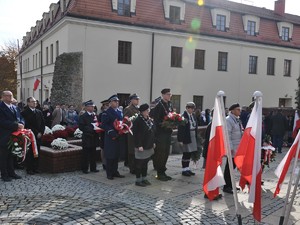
130 111
112 146
162 134
90 139
104 107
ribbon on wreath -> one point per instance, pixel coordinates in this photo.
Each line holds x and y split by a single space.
97 125
124 126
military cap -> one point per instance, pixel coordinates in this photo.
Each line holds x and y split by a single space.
89 103
190 105
134 96
104 101
113 98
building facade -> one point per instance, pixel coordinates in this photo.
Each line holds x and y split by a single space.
142 46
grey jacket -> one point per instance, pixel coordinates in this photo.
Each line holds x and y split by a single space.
235 132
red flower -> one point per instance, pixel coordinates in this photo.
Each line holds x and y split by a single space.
60 134
15 140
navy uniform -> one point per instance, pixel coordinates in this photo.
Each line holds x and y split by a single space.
163 137
90 139
112 146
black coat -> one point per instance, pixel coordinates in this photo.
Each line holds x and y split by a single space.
143 134
158 113
90 139
206 140
34 120
184 134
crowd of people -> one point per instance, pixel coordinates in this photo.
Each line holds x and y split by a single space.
149 138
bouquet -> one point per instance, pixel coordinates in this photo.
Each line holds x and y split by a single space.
59 144
60 134
58 127
133 118
172 120
78 133
124 126
97 125
70 131
47 139
20 141
48 130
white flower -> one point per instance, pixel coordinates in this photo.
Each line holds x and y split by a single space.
16 144
60 144
78 133
48 130
58 127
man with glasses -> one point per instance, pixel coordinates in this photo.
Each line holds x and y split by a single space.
10 121
34 120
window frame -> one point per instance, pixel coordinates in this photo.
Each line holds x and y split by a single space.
287 68
253 61
285 33
199 62
271 66
176 56
220 24
251 27
222 65
124 8
173 14
124 52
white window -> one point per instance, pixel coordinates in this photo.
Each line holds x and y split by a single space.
220 19
251 24
174 10
120 6
285 30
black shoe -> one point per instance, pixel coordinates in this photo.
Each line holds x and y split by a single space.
85 171
104 167
119 175
141 184
191 173
161 177
186 173
16 176
168 177
95 171
30 172
216 197
228 190
146 182
110 177
6 179
36 171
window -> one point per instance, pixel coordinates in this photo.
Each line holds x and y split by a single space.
123 99
271 66
251 27
221 23
198 100
33 62
252 64
176 56
51 53
222 61
47 56
176 103
39 58
124 7
124 52
199 59
36 60
285 102
285 34
57 48
287 67
175 14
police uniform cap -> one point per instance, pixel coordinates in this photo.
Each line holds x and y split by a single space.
190 105
104 101
134 96
113 98
232 107
144 107
165 90
89 103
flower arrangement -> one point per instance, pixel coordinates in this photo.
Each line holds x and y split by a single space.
172 120
60 134
59 144
48 130
78 133
133 118
47 139
58 127
70 131
124 126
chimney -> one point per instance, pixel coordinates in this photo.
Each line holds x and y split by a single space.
280 7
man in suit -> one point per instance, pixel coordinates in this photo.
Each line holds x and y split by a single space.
112 142
10 121
90 139
34 121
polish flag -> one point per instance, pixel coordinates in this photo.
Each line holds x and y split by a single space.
296 126
36 84
284 165
213 176
248 158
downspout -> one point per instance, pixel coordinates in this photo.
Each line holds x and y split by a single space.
21 74
41 100
152 61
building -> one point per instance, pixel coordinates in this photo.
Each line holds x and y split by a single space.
142 46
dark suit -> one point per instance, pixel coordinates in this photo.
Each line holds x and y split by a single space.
90 140
34 121
8 123
112 142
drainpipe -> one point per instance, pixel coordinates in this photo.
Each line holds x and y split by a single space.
152 59
41 100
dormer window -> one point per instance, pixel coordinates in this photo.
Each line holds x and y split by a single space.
251 24
251 28
175 14
220 19
174 10
285 30
124 7
221 23
285 33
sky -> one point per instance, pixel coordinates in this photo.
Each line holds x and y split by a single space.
18 16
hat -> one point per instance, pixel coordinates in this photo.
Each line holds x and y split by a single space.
89 103
165 90
236 105
133 96
190 105
143 107
104 101
113 98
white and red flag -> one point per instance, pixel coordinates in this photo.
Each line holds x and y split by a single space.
213 176
296 125
284 165
248 157
36 84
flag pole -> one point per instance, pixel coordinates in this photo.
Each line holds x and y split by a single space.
221 95
289 188
287 213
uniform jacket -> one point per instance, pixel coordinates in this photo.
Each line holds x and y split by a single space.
131 110
8 123
184 134
143 134
235 132
90 139
34 120
158 113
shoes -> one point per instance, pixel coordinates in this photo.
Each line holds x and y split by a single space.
168 177
228 190
119 175
6 179
16 176
104 167
146 182
141 184
161 177
191 173
186 173
85 171
36 171
30 172
132 172
215 198
95 171
110 177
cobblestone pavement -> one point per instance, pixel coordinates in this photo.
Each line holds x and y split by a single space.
74 198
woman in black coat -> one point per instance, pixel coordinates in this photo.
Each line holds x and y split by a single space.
143 133
187 138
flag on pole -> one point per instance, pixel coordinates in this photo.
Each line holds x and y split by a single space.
213 176
296 126
36 84
248 157
284 165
